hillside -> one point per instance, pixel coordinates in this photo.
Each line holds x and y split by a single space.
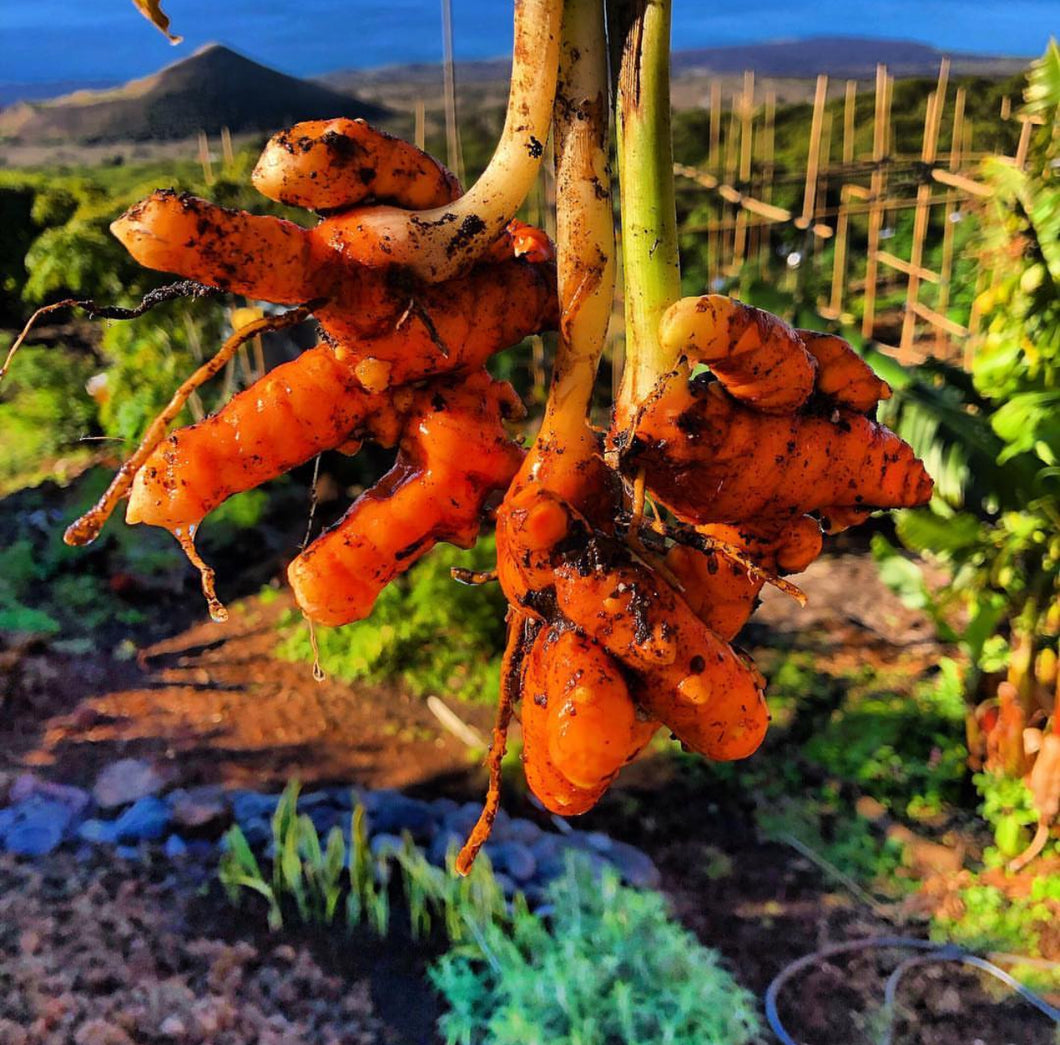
850 57
212 89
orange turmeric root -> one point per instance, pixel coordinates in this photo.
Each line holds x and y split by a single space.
580 726
711 459
723 593
690 679
843 377
256 255
287 417
453 456
404 328
330 164
757 357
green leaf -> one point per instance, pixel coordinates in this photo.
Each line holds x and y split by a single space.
923 531
334 855
990 610
240 851
1026 419
1042 93
1010 836
309 844
906 579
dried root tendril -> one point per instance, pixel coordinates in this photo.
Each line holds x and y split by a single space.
88 527
680 533
520 636
185 288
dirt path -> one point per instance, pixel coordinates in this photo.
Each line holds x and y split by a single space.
215 705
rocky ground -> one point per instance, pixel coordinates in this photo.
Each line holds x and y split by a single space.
103 951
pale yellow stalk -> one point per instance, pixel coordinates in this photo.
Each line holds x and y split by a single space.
438 244
584 219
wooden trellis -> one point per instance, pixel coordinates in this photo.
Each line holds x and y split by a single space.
740 172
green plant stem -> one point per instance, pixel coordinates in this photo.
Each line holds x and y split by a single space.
650 263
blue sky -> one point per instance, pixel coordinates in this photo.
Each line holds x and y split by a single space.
49 40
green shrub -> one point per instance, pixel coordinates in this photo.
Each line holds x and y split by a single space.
44 410
1008 807
817 819
903 750
989 919
610 968
432 633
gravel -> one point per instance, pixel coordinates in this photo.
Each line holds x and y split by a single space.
103 953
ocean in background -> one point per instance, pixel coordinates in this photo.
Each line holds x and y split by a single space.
47 41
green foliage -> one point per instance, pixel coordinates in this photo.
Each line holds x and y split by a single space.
44 410
48 587
311 878
149 357
306 874
610 968
1008 807
839 737
57 244
821 821
896 748
79 258
992 438
434 634
988 918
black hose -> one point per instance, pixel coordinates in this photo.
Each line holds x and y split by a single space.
933 952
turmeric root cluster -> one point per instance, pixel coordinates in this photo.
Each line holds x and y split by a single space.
401 362
617 632
618 623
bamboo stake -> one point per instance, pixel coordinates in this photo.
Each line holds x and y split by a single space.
732 195
739 249
876 189
226 147
888 143
1024 143
714 160
949 225
959 181
204 158
821 231
813 157
938 320
420 133
714 164
932 123
849 110
727 258
454 153
768 155
907 267
839 258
